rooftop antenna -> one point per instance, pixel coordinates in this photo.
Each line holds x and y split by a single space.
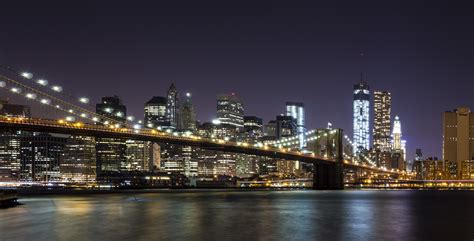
362 68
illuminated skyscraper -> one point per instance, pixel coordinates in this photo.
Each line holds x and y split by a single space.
155 113
172 107
296 110
110 152
382 120
187 117
398 146
397 134
230 110
361 133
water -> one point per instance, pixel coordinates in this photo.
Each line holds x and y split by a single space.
233 215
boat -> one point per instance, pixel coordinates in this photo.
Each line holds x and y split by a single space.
8 197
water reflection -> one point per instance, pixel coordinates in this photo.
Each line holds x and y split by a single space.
230 215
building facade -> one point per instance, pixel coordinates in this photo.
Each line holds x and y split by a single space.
458 143
172 107
382 121
361 132
156 113
111 152
230 110
296 110
187 120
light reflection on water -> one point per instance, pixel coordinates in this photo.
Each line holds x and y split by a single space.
232 215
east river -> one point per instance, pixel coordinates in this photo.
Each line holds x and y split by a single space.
244 215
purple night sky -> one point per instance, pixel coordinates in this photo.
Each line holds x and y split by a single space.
265 52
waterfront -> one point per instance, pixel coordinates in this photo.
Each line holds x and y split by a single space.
244 215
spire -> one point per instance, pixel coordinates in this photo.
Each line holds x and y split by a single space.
362 81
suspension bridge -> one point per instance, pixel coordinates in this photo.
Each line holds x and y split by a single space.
79 118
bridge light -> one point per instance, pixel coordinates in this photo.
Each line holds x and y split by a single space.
106 122
84 100
71 111
27 75
108 110
57 106
42 82
149 125
3 84
95 119
137 126
119 114
70 118
61 121
57 88
15 90
117 125
84 115
31 96
45 101
130 118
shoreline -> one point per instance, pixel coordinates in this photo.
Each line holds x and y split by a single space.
40 192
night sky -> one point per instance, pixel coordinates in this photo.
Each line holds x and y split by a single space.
265 52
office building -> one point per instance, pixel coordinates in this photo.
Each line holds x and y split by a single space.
41 155
285 126
398 146
296 110
458 143
156 113
361 132
382 121
187 120
10 162
78 162
172 107
111 152
230 110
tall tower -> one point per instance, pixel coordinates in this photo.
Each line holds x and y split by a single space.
110 152
399 146
361 132
296 110
230 110
187 119
458 143
397 134
382 121
172 107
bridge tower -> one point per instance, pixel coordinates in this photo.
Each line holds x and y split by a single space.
329 176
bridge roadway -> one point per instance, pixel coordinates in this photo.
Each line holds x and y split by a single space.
145 134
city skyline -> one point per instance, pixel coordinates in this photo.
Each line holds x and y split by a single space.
316 62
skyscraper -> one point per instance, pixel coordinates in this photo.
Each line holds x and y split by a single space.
112 107
156 113
397 134
458 143
296 110
382 121
187 120
361 133
398 146
285 126
253 129
78 162
172 106
110 152
230 110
